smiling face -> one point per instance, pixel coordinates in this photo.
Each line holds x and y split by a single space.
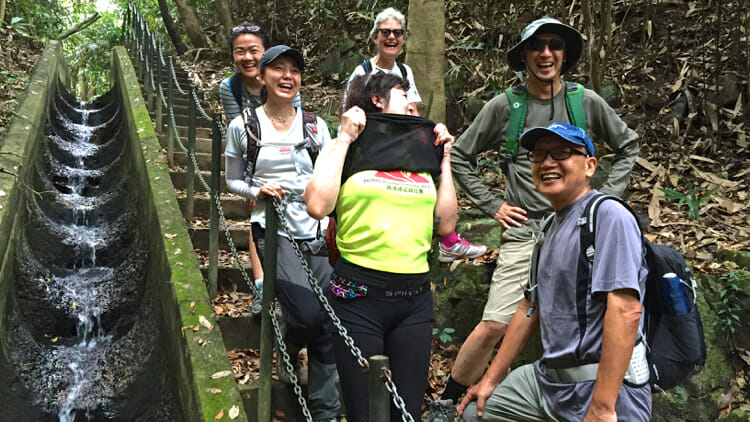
396 104
390 45
562 182
282 78
247 50
544 64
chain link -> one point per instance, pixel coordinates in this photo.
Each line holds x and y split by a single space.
199 107
397 400
174 78
288 364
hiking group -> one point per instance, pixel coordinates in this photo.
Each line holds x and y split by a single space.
363 208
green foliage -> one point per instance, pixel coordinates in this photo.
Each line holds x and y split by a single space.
691 199
445 335
728 310
19 26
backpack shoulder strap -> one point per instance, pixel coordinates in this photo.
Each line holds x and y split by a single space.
530 291
517 100
574 103
402 68
310 133
235 84
367 66
252 128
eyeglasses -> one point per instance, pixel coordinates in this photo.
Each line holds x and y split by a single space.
245 29
557 154
538 44
385 32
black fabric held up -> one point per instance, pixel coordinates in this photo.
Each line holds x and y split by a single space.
394 142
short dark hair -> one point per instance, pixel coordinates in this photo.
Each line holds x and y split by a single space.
248 28
379 84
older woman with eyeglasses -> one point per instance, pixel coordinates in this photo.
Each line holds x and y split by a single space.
389 33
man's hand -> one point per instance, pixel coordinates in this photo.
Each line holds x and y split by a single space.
509 215
479 392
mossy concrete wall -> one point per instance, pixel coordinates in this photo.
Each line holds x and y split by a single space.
197 351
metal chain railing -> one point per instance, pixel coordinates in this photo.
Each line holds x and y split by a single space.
156 49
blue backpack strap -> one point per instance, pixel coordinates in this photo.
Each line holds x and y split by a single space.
235 84
517 100
367 66
574 103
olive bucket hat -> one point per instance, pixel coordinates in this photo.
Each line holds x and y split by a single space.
573 42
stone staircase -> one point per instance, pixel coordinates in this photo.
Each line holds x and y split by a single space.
239 332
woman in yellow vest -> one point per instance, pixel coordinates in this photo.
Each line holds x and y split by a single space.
388 177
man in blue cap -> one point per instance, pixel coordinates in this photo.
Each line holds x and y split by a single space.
547 49
587 371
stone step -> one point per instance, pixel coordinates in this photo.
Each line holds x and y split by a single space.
179 176
239 233
234 208
242 332
202 158
230 278
201 144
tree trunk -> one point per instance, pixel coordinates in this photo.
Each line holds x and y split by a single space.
174 34
225 18
2 11
426 54
191 24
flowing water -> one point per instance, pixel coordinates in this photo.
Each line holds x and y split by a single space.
83 328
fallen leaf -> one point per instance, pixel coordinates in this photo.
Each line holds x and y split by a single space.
234 411
205 322
220 415
170 236
455 264
213 390
221 374
192 307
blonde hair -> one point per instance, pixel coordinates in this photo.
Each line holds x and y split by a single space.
389 13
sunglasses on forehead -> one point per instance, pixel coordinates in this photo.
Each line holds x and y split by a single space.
245 29
538 44
398 33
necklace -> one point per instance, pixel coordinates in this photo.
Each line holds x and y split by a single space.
278 118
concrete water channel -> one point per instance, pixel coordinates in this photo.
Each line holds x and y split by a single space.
104 314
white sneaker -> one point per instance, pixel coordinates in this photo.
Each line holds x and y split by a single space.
461 250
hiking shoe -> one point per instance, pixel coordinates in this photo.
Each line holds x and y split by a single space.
461 250
441 411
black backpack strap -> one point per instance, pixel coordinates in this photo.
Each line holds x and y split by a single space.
252 128
587 224
402 68
235 84
310 133
367 66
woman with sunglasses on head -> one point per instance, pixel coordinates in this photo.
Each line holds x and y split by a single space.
390 189
279 165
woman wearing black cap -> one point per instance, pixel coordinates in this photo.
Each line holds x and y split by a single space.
279 165
390 184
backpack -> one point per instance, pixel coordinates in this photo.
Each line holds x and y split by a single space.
235 84
252 127
517 100
368 67
675 344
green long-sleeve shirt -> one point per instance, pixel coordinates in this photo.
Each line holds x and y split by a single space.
488 131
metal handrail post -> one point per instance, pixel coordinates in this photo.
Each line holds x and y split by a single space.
380 398
190 176
147 88
159 113
171 124
213 228
266 330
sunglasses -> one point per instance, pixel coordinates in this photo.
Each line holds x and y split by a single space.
538 44
398 33
245 29
557 154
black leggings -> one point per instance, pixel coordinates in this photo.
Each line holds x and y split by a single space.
400 328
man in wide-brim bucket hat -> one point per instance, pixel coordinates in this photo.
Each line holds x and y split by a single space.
573 42
547 50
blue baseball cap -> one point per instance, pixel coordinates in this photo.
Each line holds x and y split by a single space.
570 133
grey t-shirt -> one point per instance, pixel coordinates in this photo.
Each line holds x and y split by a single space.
282 158
619 263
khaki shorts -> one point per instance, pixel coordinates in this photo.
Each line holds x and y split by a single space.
508 280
